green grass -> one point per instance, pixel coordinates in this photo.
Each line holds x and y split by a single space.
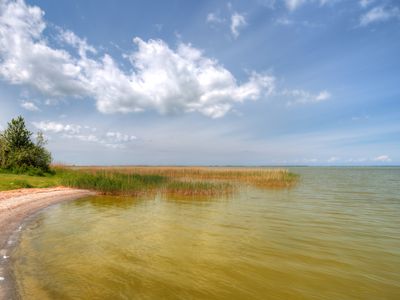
16 181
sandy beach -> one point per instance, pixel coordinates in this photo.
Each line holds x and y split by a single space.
15 206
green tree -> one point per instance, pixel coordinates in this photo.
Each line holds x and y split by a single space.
19 153
17 136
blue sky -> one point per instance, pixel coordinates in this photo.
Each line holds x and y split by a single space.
262 82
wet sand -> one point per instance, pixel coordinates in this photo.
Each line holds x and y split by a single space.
15 206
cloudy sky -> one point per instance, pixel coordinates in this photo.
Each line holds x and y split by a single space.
260 82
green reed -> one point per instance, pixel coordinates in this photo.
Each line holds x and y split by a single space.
112 182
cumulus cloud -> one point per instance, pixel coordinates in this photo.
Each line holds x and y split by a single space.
112 139
174 81
379 14
29 106
382 158
73 40
237 21
162 79
26 58
304 97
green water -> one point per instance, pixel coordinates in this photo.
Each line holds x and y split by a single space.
336 235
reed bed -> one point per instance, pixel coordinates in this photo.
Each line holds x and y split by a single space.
189 181
260 177
112 182
190 188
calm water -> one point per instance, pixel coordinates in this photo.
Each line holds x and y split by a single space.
334 236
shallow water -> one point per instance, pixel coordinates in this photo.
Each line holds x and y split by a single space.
336 235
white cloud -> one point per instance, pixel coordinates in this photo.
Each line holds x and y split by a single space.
237 21
214 18
379 14
29 106
322 96
73 40
119 137
172 82
26 58
55 127
304 97
295 4
162 79
382 158
112 139
83 137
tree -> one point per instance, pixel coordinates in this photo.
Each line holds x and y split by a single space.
17 136
19 153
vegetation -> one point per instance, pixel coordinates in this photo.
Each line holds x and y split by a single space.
10 181
117 183
19 154
113 182
169 180
260 177
190 188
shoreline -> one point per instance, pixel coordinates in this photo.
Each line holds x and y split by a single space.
16 206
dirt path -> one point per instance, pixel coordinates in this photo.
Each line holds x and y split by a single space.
15 206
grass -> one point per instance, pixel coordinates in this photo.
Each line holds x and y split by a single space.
187 181
260 177
110 183
17 181
190 188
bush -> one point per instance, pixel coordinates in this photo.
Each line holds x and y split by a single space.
19 153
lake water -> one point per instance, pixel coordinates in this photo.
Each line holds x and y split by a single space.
336 235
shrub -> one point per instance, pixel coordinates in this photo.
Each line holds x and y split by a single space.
19 153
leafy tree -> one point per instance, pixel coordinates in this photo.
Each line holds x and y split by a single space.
19 153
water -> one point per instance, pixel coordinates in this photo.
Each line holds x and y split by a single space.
336 235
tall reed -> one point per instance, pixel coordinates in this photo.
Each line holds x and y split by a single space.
260 177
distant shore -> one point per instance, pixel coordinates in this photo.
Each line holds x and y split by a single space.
15 206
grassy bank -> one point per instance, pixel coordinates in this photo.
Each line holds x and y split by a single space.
10 181
139 180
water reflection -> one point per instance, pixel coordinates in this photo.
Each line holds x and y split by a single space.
111 202
334 236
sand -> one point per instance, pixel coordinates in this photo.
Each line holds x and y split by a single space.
17 205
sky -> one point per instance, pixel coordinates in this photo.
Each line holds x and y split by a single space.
187 82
